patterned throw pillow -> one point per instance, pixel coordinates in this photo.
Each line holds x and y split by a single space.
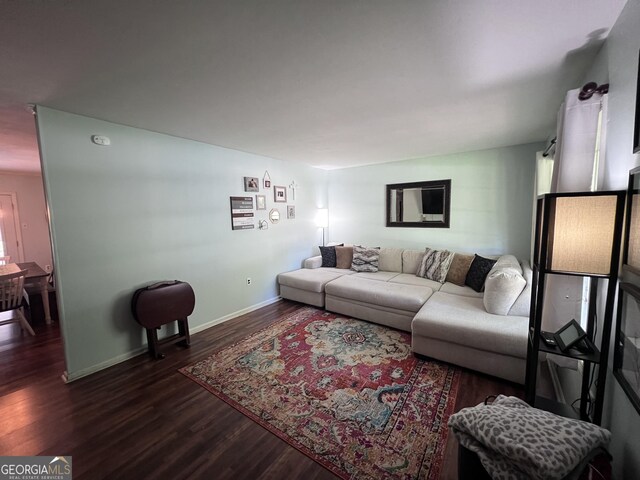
344 257
328 256
478 272
435 265
365 259
460 264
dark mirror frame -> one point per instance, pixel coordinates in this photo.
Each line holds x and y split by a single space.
445 184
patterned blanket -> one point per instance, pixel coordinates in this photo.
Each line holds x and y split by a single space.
516 441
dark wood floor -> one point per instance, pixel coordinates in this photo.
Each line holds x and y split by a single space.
142 419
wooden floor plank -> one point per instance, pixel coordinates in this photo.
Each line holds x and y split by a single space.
143 419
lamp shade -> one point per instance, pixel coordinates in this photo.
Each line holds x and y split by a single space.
582 232
322 218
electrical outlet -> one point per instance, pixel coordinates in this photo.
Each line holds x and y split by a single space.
248 280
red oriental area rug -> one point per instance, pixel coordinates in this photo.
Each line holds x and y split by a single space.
349 394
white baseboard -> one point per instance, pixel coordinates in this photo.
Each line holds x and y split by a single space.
70 377
217 321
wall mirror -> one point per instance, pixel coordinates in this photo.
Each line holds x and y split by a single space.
274 215
419 204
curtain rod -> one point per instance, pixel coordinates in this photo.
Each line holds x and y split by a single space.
592 87
552 144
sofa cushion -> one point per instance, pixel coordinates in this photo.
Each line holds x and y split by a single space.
328 256
435 265
411 279
458 269
522 304
386 294
390 259
365 259
379 275
449 287
344 257
313 280
411 261
501 289
464 321
478 271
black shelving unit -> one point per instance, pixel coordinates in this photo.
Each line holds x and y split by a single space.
542 267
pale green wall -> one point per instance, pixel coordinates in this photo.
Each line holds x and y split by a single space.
153 207
617 63
491 202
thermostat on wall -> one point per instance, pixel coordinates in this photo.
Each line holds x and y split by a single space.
101 140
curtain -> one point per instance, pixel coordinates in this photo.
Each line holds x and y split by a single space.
581 137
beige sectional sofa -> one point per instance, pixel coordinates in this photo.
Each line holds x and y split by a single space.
484 331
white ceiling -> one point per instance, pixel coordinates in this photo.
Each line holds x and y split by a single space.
332 83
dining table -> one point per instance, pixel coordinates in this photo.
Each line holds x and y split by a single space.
38 278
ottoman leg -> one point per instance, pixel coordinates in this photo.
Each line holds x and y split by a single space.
183 330
152 340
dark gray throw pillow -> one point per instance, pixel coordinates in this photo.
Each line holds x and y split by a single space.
329 255
478 272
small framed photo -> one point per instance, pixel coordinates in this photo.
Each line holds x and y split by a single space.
261 202
251 184
279 194
291 211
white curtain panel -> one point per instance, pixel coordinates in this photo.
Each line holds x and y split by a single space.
544 174
577 167
581 136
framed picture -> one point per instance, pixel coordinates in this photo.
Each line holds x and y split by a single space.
266 179
261 202
626 359
242 213
636 131
251 184
291 211
279 194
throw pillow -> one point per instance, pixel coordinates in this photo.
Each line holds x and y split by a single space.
459 267
501 289
365 259
478 272
344 257
435 265
328 256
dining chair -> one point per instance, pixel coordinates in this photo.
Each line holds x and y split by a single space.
11 287
6 260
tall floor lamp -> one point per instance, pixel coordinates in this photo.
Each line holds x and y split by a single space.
322 220
577 234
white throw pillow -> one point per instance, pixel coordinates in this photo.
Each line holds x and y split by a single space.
501 289
522 305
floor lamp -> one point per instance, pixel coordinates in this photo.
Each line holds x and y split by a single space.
577 234
322 220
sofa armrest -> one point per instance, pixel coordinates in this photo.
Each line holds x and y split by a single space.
313 262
